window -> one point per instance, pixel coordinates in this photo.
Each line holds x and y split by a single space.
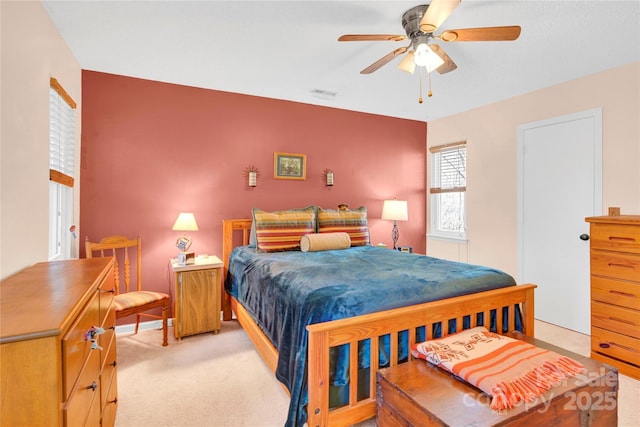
61 170
448 190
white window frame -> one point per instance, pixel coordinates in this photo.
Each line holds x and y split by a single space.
439 187
62 115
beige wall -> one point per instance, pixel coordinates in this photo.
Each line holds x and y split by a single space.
32 52
491 132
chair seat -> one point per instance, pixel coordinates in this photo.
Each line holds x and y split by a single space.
137 298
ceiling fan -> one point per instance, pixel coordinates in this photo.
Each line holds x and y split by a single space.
420 24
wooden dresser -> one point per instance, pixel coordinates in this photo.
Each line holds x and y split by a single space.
615 291
58 367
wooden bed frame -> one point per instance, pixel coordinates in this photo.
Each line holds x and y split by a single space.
323 336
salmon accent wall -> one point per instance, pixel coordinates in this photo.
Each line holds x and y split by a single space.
151 150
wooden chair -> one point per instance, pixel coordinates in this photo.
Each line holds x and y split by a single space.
130 300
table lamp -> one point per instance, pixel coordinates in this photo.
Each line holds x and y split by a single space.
395 210
186 221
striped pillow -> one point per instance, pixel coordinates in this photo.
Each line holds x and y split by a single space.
353 222
282 230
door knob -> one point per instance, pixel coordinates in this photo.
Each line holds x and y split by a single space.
584 237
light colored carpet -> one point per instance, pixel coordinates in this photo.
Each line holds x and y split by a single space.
202 380
220 380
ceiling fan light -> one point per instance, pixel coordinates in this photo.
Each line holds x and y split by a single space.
426 57
408 64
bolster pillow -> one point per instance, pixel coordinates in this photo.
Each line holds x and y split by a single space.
324 242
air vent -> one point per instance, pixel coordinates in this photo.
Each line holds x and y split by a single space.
323 94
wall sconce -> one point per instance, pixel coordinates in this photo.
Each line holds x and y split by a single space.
252 173
328 177
395 210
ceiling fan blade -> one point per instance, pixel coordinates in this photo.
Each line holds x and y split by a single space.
371 37
436 13
448 65
384 60
408 64
481 34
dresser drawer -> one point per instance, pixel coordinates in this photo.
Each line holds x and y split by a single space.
107 339
108 372
83 408
615 237
614 318
110 402
615 265
622 293
107 296
75 345
615 345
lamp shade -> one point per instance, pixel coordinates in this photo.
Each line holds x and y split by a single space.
395 210
186 221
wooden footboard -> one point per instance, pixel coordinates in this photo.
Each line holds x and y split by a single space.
351 331
323 336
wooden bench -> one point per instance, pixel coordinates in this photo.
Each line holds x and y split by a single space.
419 394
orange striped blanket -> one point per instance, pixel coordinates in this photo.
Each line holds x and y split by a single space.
509 370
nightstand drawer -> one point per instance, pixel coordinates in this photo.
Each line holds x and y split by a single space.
615 345
617 292
615 265
616 319
613 237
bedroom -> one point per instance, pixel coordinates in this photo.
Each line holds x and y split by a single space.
163 194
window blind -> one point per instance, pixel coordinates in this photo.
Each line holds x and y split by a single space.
449 169
62 121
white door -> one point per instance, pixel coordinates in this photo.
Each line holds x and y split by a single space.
559 185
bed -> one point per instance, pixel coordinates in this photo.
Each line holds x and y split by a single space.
318 374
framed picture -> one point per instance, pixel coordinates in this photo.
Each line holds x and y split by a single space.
289 166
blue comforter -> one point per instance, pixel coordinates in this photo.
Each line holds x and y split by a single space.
286 291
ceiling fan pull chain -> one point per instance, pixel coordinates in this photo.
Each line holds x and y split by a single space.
429 93
420 80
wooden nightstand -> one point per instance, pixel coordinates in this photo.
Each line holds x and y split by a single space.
196 296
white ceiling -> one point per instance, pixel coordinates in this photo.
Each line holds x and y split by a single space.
286 49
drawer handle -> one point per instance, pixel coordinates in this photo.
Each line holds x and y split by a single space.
617 319
624 294
617 264
621 239
112 291
93 386
113 364
624 347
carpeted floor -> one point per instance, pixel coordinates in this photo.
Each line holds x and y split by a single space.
220 380
202 380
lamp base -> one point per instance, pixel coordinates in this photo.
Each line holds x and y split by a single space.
395 234
185 258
